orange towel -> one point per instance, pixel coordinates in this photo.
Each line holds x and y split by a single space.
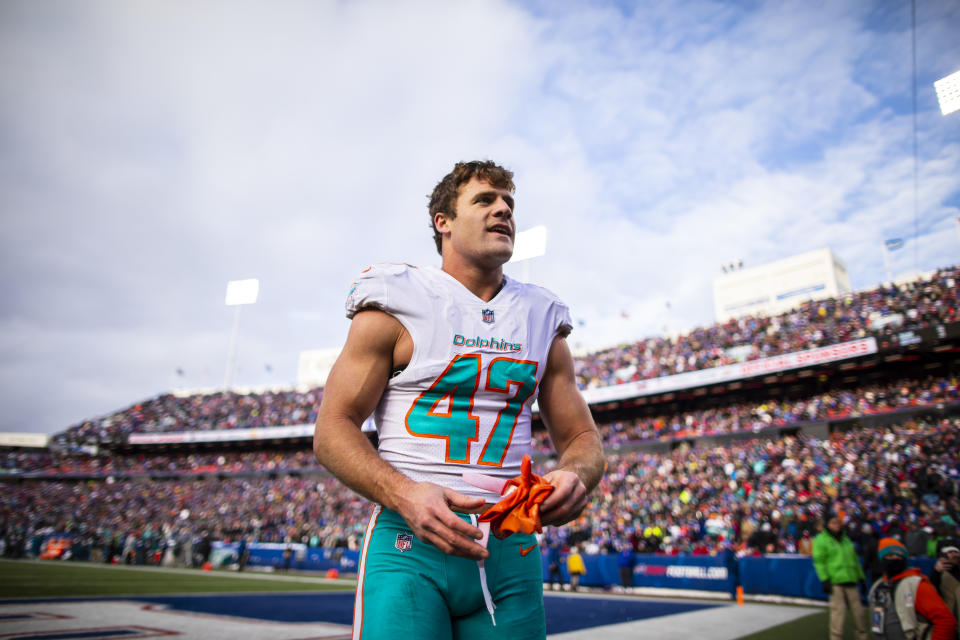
519 510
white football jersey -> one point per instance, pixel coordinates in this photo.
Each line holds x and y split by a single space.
463 402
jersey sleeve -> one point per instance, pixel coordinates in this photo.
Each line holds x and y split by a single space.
558 314
555 318
378 287
561 320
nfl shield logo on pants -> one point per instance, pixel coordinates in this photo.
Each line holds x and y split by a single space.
488 316
404 542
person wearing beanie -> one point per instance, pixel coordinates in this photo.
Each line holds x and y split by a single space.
838 568
946 575
904 605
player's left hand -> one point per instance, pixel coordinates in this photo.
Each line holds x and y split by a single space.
567 501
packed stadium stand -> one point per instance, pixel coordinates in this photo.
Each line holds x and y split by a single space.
888 314
735 436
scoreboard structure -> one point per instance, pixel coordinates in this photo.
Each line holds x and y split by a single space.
776 287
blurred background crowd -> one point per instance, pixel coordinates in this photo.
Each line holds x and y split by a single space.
753 496
733 471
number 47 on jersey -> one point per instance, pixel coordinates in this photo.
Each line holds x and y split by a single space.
455 389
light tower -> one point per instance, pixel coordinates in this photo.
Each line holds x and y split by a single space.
239 293
948 93
529 244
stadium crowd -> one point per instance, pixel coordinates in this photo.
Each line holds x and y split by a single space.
199 412
724 418
764 496
754 416
754 496
53 463
880 312
727 418
119 517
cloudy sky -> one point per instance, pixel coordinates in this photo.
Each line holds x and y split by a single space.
150 151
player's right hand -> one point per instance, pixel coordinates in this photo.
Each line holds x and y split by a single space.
429 510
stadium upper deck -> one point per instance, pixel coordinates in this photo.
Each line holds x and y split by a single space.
896 316
884 313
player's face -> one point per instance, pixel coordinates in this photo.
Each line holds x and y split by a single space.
483 229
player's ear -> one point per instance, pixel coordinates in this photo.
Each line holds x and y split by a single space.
441 222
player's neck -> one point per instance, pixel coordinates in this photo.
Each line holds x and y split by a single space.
483 283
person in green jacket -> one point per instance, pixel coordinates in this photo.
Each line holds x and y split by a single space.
838 568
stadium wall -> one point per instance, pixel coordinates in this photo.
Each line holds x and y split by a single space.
784 575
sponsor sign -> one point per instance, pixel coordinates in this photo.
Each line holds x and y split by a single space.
24 440
223 435
707 573
729 373
802 291
682 571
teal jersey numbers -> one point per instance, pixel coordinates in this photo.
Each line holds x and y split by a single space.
457 424
505 375
445 410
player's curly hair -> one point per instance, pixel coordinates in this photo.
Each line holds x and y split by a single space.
444 196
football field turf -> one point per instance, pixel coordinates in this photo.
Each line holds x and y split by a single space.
40 579
254 603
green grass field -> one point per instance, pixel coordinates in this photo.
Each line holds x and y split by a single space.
41 579
813 626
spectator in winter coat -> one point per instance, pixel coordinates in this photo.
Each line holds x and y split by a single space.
836 563
904 604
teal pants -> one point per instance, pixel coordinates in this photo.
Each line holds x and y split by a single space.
409 589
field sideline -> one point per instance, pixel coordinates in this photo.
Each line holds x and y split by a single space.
23 579
45 579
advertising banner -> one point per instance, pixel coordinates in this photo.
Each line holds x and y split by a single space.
301 558
732 372
222 435
793 575
702 573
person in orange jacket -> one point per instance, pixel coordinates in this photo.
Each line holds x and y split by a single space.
903 603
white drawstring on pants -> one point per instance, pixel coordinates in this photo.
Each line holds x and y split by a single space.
487 598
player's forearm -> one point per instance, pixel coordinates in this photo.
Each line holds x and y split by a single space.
343 449
584 457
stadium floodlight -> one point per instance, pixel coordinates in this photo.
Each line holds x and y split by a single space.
531 243
239 293
242 292
528 244
948 93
